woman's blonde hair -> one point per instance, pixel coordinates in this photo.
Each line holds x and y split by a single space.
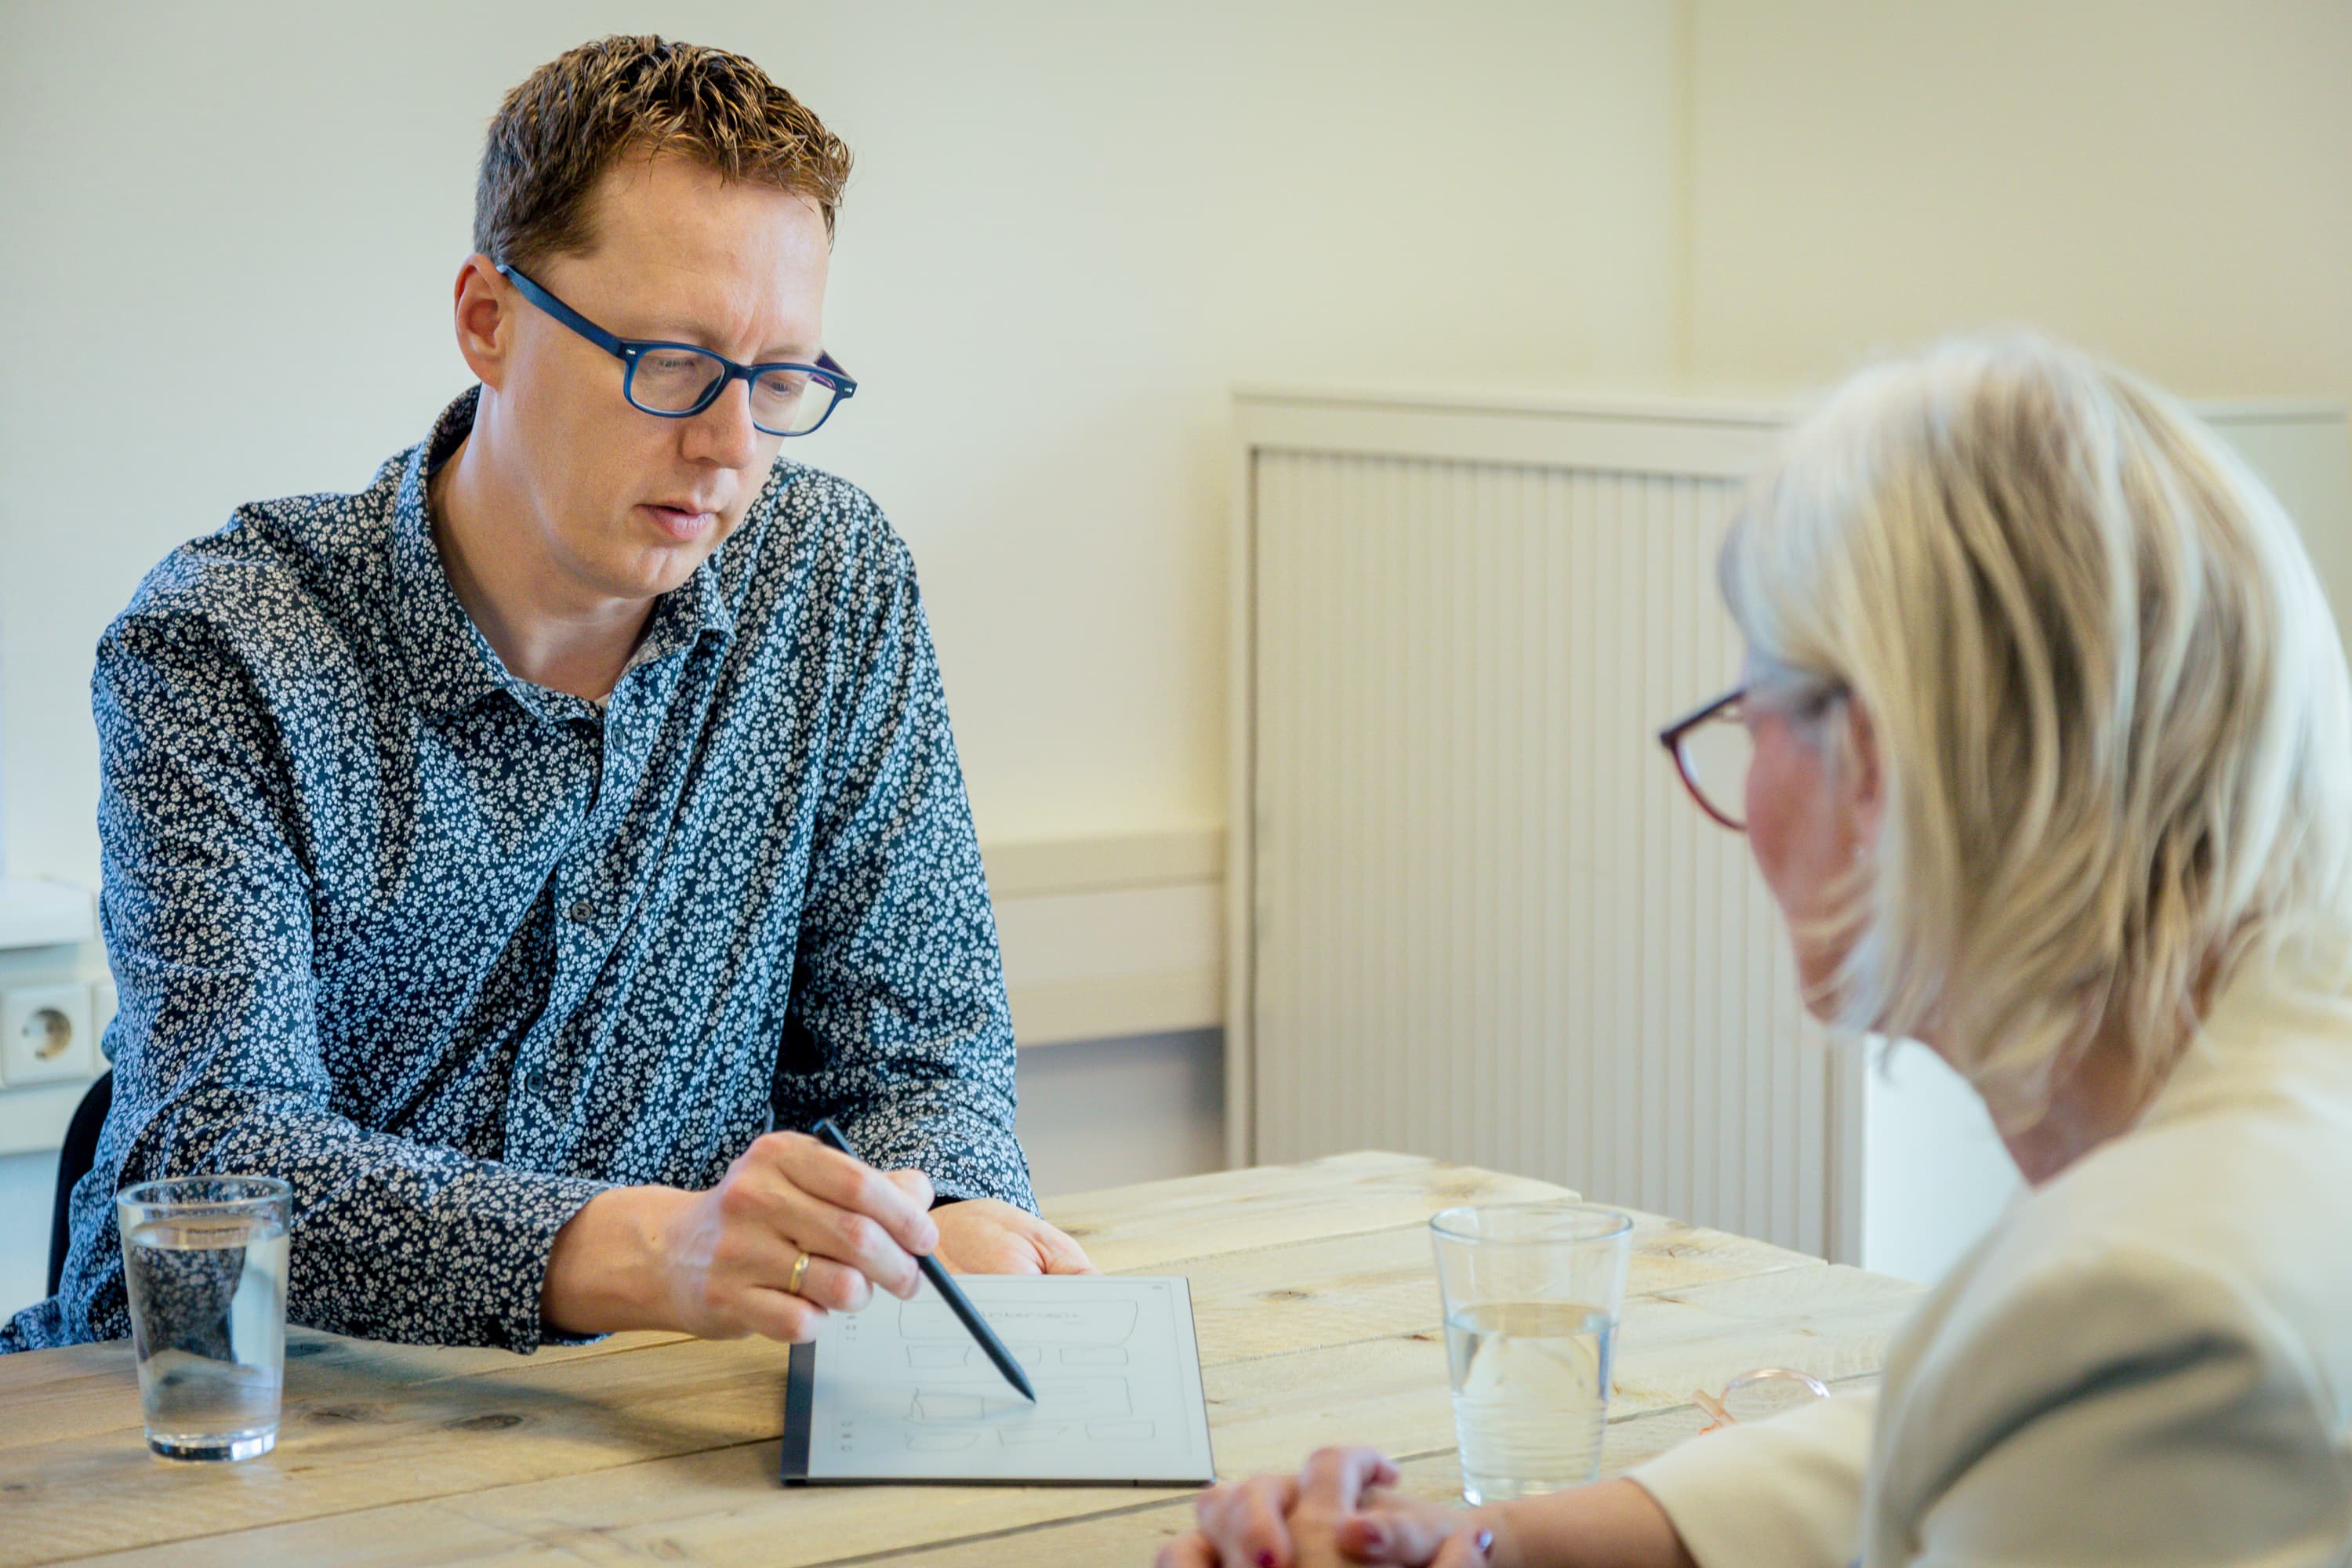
2110 706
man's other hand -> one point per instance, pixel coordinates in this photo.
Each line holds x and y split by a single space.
988 1236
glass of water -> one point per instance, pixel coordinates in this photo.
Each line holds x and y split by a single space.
1531 1293
204 1258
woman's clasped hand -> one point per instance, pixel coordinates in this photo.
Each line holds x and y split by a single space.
1341 1507
1344 1507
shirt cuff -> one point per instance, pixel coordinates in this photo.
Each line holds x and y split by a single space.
496 1245
966 1155
1782 1493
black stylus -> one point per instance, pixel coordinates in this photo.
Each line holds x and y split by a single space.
958 1303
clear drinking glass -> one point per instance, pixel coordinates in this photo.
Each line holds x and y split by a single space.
1531 1293
204 1258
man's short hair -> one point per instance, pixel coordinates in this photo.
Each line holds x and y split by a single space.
638 97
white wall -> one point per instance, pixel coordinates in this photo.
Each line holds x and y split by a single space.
28 1184
1106 1112
1935 1175
1072 226
2162 179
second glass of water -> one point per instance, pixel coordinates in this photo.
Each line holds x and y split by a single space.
1531 1293
204 1259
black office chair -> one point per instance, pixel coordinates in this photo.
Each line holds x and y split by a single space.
74 1160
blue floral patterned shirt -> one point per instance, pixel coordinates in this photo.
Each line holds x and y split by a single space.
451 953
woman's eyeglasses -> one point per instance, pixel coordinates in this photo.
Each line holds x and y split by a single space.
1711 749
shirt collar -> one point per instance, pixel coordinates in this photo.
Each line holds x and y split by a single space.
681 617
2281 1029
449 663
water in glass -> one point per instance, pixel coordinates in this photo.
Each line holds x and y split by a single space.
1530 1394
208 1307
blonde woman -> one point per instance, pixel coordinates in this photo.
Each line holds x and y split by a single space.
2052 768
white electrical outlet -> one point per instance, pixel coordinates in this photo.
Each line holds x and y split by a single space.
45 1034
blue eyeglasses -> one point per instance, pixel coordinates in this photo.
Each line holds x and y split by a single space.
678 381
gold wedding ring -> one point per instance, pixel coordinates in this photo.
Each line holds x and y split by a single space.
800 1270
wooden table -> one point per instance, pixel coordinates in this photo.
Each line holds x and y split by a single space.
1318 1316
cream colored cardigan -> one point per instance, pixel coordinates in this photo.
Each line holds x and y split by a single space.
2148 1361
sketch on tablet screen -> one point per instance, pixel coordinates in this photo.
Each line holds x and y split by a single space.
902 1392
1086 1333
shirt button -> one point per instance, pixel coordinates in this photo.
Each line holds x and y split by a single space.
534 1078
581 913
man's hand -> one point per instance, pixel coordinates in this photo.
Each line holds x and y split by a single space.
987 1236
717 1264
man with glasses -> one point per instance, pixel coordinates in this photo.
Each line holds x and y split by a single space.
499 853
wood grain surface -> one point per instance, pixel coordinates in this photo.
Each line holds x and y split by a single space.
1317 1308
